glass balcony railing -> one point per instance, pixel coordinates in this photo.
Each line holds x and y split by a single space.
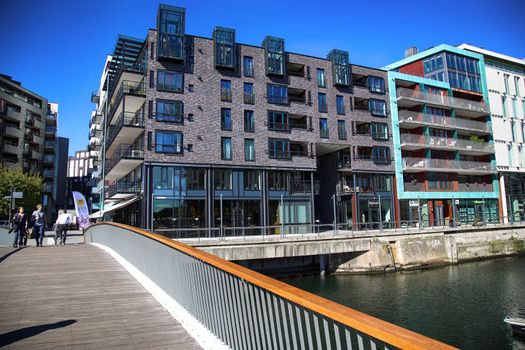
126 87
452 165
448 143
249 99
122 186
442 100
126 119
412 117
124 152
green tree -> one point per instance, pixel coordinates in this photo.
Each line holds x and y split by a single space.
31 185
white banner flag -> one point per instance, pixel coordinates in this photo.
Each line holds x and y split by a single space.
82 209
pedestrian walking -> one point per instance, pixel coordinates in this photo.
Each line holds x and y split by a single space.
20 227
39 226
62 222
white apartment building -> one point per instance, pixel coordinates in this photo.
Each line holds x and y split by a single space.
505 77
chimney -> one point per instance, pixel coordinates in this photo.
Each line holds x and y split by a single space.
412 50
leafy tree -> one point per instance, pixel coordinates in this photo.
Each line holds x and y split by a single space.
30 184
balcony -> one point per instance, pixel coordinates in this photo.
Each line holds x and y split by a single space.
296 95
134 89
10 164
51 131
249 98
127 128
122 189
226 95
10 114
48 188
13 132
411 119
408 98
49 145
414 142
476 187
48 173
51 119
417 165
170 46
95 98
10 147
289 150
122 161
49 159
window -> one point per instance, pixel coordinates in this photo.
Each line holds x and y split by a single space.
517 85
323 128
168 142
169 111
247 66
195 178
278 180
506 81
249 150
381 183
249 98
379 131
340 104
226 119
277 94
224 40
320 78
377 107
274 48
433 63
321 102
226 90
279 149
251 180
222 179
504 105
170 81
341 129
226 148
512 124
381 155
278 121
170 40
340 67
249 122
376 84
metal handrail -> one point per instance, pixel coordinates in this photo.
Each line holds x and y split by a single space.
431 119
449 143
240 306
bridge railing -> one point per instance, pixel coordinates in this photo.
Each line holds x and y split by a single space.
245 309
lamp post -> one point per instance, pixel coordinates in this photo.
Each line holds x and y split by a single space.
104 127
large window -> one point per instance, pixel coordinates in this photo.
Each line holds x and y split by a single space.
169 111
224 40
249 150
323 128
321 102
340 104
178 213
340 67
433 63
379 131
279 149
168 142
226 90
463 72
376 84
170 25
251 180
277 94
226 148
278 121
341 129
249 122
381 183
222 179
377 107
249 98
170 81
274 55
247 66
321 82
278 180
195 178
226 119
381 155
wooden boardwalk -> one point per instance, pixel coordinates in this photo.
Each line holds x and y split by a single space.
78 297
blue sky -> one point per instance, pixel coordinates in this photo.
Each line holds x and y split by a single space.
58 48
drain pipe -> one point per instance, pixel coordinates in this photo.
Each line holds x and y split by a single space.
389 247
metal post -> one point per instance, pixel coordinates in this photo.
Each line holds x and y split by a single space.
453 212
11 202
510 217
221 234
483 211
282 215
419 212
103 192
380 214
335 214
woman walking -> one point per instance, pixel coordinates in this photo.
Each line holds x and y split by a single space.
39 220
20 224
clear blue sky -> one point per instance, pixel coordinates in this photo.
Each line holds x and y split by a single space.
57 48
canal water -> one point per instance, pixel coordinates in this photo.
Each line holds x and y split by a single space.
462 305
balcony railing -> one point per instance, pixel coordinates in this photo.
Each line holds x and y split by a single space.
126 87
249 99
124 152
442 100
475 187
442 121
48 173
226 95
126 119
280 100
448 143
48 188
452 165
51 130
122 186
280 154
49 158
170 46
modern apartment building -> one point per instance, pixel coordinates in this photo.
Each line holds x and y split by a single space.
199 129
443 139
29 125
62 152
506 87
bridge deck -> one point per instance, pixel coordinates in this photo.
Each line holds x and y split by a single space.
78 297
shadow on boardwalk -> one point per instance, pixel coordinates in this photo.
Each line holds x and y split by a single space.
28 332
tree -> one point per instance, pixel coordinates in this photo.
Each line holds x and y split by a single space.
30 184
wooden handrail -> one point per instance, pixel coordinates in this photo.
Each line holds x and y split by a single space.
387 332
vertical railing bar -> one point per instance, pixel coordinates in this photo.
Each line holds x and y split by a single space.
286 324
255 317
360 342
348 339
275 301
337 337
299 326
210 298
217 300
242 317
248 315
317 332
205 299
263 322
268 299
225 301
195 307
308 329
293 330
327 334
238 315
372 344
235 316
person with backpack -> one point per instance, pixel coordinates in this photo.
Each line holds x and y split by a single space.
39 224
20 227
61 224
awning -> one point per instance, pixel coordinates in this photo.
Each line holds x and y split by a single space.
114 207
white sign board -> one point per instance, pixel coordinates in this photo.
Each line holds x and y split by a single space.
18 194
